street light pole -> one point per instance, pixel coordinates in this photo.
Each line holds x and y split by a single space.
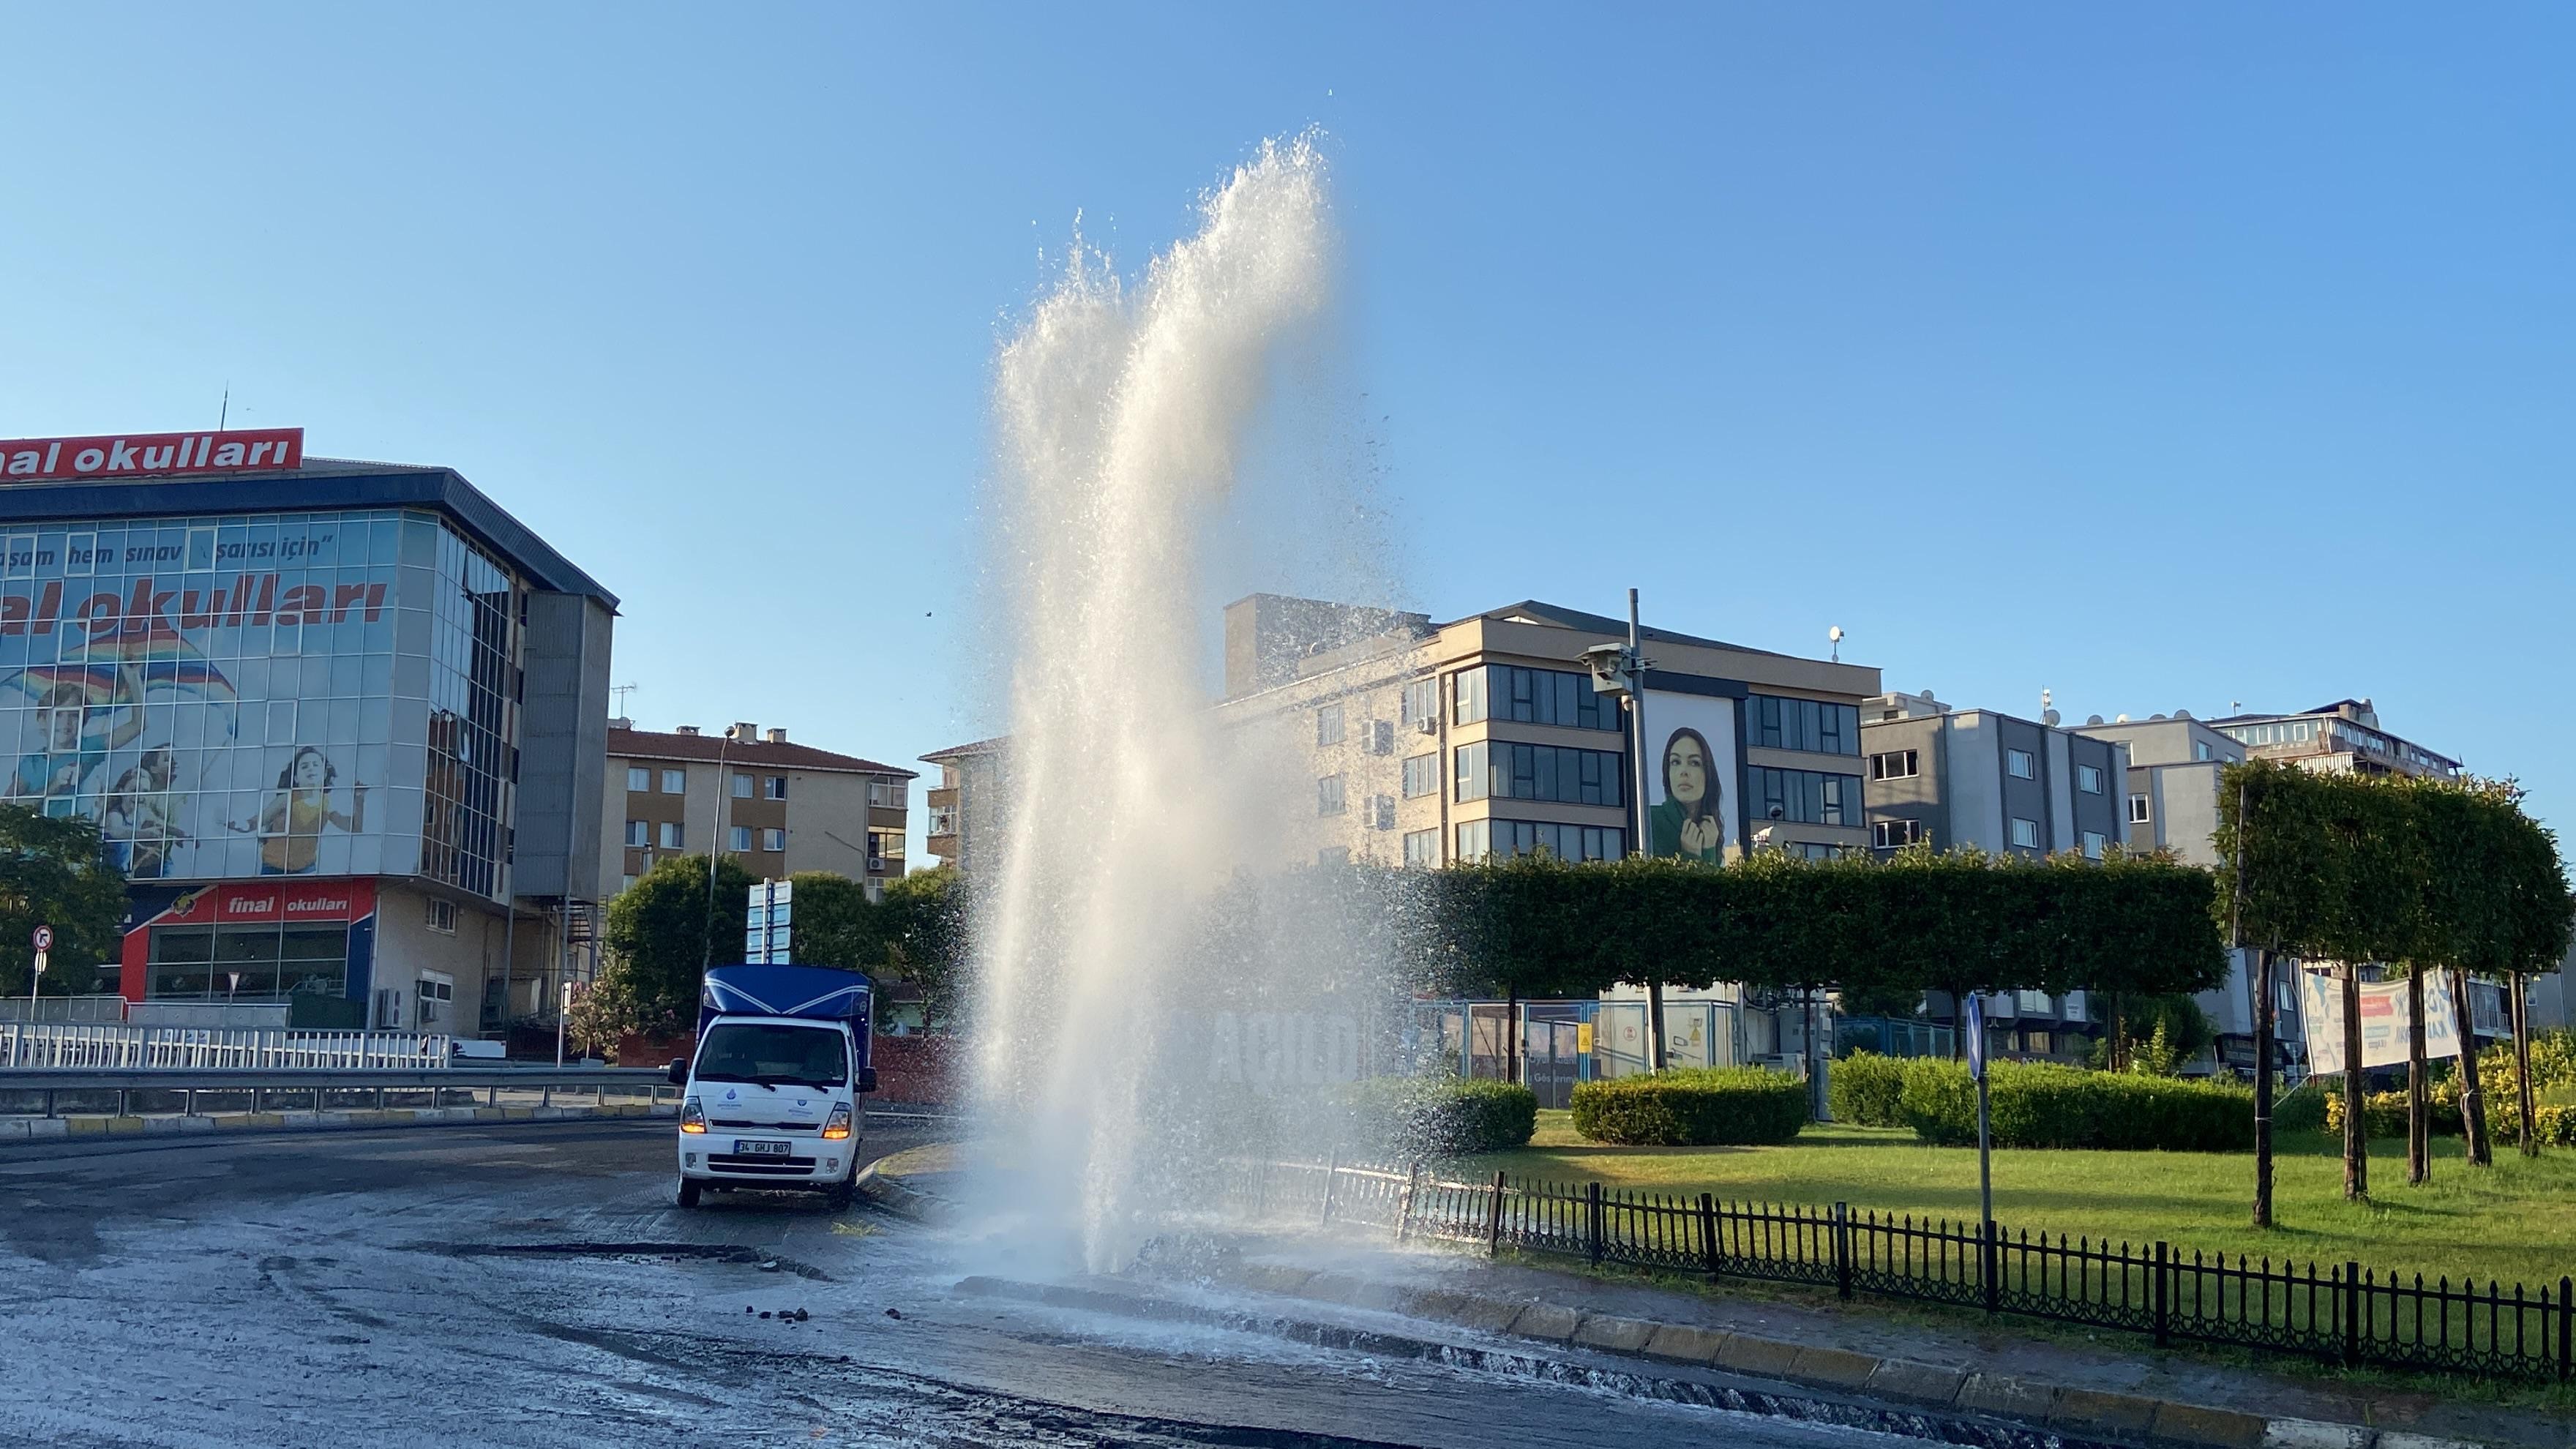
1636 669
724 787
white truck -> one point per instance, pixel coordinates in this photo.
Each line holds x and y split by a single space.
772 1096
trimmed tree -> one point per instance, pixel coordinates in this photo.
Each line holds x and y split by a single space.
52 874
926 928
659 935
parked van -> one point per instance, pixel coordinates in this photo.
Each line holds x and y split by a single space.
772 1096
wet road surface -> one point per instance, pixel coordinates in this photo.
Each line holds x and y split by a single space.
532 1284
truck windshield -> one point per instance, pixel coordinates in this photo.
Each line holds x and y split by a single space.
773 1055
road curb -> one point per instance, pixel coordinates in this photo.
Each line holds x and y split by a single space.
2078 1412
892 1195
89 1128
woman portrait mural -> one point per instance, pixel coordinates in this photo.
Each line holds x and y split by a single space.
1689 817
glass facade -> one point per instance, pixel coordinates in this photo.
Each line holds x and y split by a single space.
1803 797
1802 724
1532 696
1511 771
248 695
1481 839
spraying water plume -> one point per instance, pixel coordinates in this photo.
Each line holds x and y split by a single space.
1123 415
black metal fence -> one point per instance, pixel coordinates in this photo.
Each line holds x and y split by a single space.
2339 1313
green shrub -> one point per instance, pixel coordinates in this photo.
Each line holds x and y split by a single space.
2040 1105
2384 1113
2301 1111
1692 1107
1866 1089
2557 1125
1421 1117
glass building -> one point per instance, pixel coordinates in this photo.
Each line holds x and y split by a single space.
320 716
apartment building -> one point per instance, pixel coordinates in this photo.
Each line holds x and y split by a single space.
775 806
1977 777
964 804
1435 743
2344 737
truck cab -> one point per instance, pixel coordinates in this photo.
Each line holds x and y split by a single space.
771 1097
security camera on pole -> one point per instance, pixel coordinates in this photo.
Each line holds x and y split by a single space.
44 941
1621 673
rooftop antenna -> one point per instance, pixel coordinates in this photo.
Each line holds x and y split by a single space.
621 691
1834 636
225 414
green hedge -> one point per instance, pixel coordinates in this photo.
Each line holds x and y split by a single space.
1866 1089
1444 1116
2041 1105
1692 1107
2301 1111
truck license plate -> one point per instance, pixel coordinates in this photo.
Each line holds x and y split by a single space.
744 1147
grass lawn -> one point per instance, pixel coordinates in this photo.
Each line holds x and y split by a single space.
2515 1222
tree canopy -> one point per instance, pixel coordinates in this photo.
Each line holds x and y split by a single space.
52 874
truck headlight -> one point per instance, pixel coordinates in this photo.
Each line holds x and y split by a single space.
693 1118
836 1127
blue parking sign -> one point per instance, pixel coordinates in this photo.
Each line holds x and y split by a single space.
1976 1029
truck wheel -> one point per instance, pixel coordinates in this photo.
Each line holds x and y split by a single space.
689 1190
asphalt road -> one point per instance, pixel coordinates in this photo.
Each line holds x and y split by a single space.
532 1284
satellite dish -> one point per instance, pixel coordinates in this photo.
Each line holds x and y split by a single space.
2123 719
2094 719
1834 635
2049 718
2182 714
1926 696
2155 716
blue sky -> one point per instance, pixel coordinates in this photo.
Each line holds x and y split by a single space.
2192 355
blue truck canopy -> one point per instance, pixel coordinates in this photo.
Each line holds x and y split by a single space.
824 993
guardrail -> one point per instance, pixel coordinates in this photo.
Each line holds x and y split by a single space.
61 1045
57 1091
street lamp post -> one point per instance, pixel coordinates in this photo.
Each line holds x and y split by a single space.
724 788
1621 673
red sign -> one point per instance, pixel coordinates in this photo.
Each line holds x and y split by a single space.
334 900
143 455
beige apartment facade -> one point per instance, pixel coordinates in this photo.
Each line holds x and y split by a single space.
775 806
1431 744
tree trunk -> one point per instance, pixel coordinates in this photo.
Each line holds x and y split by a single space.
2473 1107
1512 1034
2419 1085
2119 1033
2356 1128
2522 1068
2263 1091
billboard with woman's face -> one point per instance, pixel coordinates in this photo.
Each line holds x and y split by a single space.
1693 809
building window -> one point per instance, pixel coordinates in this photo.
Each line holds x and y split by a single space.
2088 779
1382 812
2200 749
442 917
1890 834
885 846
1803 797
1421 776
1422 848
675 782
1565 842
1381 737
1328 795
1328 725
626 883
437 996
1802 724
774 787
2036 1042
638 779
773 839
1471 773
1815 850
2094 843
1475 840
1895 765
2018 763
1421 703
1467 696
672 838
741 837
2025 833
639 833
2031 1003
741 786
2138 810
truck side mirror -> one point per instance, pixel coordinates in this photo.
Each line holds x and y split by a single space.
867 1079
679 1073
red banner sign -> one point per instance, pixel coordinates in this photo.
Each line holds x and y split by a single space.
143 455
337 900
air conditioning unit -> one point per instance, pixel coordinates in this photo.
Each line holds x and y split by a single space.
1427 725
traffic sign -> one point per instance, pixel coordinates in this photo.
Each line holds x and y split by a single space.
44 938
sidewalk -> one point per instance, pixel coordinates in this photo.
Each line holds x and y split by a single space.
2123 1390
14 1130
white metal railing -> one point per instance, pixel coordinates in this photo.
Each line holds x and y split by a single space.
54 1044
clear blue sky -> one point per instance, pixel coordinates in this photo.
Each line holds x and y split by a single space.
2169 358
